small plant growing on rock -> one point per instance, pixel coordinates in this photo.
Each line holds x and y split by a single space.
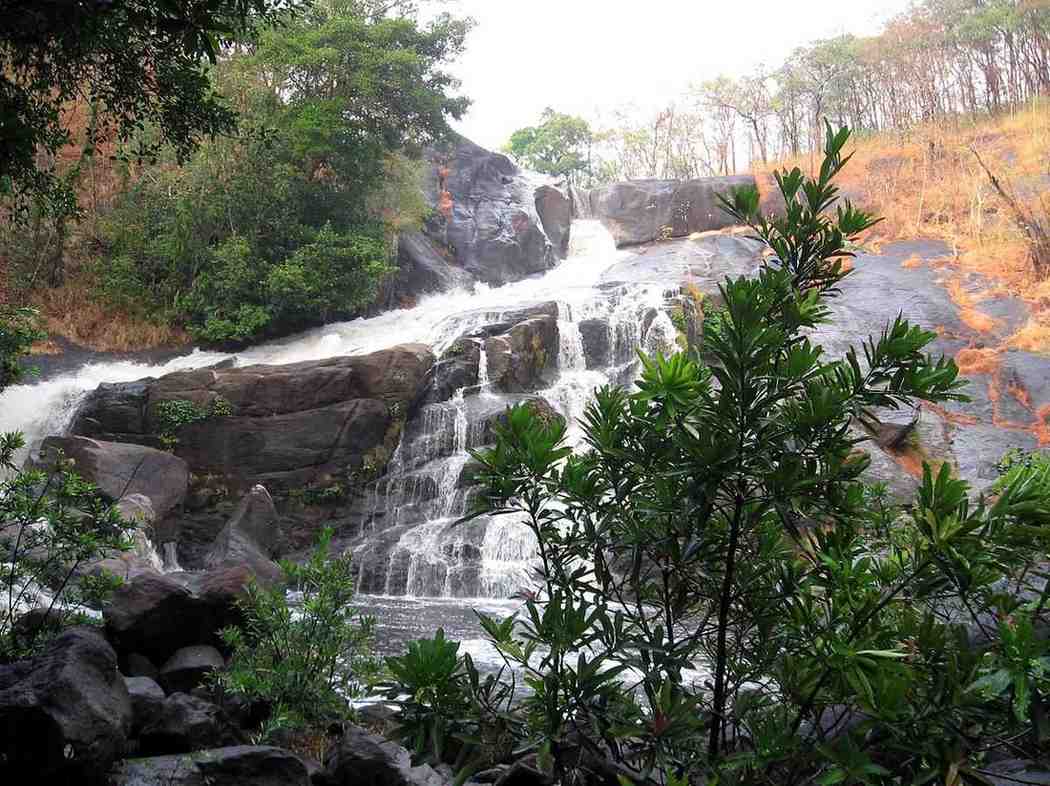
304 659
170 416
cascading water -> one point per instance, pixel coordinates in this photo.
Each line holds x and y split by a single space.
409 541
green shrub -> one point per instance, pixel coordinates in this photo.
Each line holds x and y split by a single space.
19 329
52 524
719 521
449 712
304 660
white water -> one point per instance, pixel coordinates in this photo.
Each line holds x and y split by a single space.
432 548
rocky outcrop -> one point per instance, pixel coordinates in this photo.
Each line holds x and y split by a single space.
124 470
65 711
286 425
241 765
250 538
523 358
640 211
487 214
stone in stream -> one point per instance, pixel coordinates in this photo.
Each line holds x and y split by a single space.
249 538
241 765
287 426
65 711
524 358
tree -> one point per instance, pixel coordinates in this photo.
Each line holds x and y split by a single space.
719 522
289 223
134 62
560 146
18 331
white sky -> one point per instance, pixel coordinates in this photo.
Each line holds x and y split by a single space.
583 56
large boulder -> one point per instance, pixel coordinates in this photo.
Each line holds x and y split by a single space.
360 757
640 211
486 214
125 471
66 710
458 368
424 267
156 614
286 425
240 765
187 723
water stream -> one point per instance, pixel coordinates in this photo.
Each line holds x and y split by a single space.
407 547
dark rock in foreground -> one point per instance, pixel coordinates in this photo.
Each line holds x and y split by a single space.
241 765
65 711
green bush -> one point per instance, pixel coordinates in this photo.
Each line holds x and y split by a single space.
19 329
170 416
304 661
449 712
52 524
719 522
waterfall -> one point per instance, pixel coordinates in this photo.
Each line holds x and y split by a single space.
410 541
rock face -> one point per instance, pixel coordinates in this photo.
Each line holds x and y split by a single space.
360 757
241 765
147 698
487 214
555 211
125 471
640 211
66 710
289 424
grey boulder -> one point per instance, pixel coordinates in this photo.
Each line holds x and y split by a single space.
241 765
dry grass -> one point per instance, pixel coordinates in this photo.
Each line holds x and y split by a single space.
74 312
926 183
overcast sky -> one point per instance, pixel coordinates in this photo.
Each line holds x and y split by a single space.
582 56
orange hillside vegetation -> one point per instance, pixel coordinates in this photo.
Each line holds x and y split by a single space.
926 183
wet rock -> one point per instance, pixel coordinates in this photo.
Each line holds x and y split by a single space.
523 358
123 470
424 267
114 409
147 698
288 424
249 538
640 211
65 711
486 214
555 211
359 757
457 368
597 342
538 406
241 765
186 723
1014 771
189 667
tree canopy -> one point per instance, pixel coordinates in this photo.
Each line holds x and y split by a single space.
559 145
